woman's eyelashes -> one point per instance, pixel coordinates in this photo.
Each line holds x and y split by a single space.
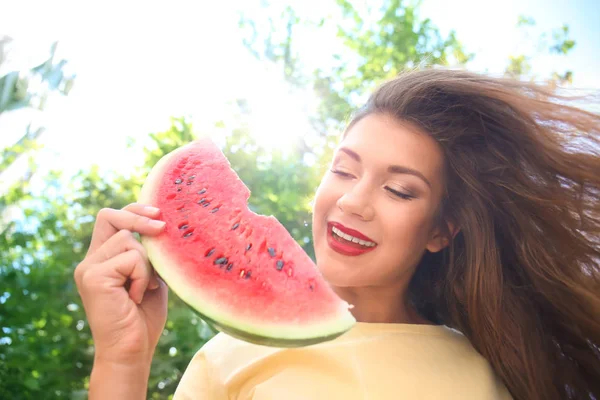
395 192
342 173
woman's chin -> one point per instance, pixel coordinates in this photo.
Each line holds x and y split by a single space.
337 274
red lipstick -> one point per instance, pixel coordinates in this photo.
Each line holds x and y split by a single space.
345 247
351 232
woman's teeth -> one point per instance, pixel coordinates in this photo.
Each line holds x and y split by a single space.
352 239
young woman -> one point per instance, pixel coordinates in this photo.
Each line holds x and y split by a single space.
477 201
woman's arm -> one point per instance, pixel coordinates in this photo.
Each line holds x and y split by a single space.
119 382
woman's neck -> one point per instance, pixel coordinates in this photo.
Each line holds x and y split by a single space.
380 305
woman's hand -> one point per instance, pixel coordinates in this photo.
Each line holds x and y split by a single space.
125 302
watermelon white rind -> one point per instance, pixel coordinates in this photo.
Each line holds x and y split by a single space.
240 271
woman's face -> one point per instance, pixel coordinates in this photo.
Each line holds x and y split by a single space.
374 211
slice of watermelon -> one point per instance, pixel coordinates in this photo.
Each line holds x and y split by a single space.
242 272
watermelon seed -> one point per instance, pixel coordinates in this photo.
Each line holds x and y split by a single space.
202 191
183 226
229 267
189 183
214 210
279 265
311 287
221 260
248 275
242 272
202 201
249 246
179 189
271 251
178 181
206 204
192 177
188 234
210 252
234 227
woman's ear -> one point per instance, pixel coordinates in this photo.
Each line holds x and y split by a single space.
441 236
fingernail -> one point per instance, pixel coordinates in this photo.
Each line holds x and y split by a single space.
156 223
132 297
151 210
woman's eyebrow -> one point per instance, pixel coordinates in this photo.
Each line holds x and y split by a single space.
393 169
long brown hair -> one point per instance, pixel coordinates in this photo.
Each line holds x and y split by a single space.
522 278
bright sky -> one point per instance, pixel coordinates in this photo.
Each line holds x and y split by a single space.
138 63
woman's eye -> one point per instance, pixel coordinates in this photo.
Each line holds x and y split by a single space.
404 196
341 173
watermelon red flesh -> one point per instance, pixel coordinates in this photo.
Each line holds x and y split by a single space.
239 270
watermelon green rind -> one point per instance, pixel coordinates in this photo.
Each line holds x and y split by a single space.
289 334
266 341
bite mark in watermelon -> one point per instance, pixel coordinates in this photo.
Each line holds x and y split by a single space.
242 272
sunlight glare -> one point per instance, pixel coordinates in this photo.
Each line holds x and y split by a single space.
278 115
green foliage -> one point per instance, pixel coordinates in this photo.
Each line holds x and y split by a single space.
24 145
275 44
562 43
525 20
20 89
519 66
15 86
384 40
46 348
180 133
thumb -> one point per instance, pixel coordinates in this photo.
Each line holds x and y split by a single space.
154 282
156 301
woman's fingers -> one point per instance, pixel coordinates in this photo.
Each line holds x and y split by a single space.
130 266
135 218
142 209
120 242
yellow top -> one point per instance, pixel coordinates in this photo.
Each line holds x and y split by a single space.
370 362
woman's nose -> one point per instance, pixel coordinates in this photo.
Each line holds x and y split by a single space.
358 202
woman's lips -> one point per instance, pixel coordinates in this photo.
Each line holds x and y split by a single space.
345 247
351 232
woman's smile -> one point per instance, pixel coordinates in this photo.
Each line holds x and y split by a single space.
347 241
